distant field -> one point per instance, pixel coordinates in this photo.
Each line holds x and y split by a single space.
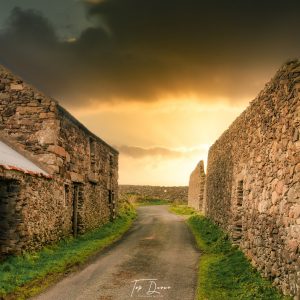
182 210
151 201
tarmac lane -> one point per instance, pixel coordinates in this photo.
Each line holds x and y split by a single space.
156 259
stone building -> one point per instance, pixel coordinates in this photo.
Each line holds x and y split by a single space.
253 180
76 186
196 187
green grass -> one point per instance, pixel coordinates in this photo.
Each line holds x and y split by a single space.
182 210
151 201
26 275
224 271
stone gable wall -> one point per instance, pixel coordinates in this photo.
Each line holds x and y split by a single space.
253 180
33 212
28 117
196 187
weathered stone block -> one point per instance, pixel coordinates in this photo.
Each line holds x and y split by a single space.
16 87
57 150
294 193
76 177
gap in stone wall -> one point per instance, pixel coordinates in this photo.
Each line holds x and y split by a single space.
238 226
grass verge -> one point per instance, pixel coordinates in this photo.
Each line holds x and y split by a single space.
224 271
151 201
182 210
27 275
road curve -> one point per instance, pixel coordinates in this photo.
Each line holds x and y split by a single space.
157 258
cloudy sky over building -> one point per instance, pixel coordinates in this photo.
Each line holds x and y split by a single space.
160 80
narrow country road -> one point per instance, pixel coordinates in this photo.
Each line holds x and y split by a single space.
157 258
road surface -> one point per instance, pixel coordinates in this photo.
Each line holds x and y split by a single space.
156 259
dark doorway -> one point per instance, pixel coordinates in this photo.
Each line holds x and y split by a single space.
9 219
77 203
238 226
112 204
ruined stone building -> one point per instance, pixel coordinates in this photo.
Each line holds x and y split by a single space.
56 177
196 187
253 180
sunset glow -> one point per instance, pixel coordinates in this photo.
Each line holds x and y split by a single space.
172 136
159 80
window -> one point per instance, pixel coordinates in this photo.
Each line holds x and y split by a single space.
92 154
111 160
92 148
66 195
111 164
240 193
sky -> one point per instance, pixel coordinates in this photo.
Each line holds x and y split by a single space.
159 80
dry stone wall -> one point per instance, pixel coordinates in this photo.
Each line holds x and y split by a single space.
196 187
253 180
28 117
172 193
32 212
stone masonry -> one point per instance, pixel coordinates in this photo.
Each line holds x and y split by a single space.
82 192
196 187
172 193
253 180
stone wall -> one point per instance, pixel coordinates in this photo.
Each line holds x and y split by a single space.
172 193
9 218
89 161
196 187
34 209
29 118
253 180
77 160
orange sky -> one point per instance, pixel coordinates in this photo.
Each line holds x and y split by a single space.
160 143
159 80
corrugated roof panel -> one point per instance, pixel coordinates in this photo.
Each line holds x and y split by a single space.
11 159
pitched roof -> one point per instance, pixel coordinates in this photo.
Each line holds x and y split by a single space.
12 160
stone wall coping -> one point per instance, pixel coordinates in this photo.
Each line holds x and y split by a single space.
257 99
60 109
71 118
157 186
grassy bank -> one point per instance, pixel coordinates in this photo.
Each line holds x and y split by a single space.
182 210
24 276
151 201
224 271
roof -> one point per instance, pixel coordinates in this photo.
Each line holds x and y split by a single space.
12 160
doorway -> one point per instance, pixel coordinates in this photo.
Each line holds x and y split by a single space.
9 219
238 225
112 204
77 203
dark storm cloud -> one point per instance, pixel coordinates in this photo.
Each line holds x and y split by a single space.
138 152
144 50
